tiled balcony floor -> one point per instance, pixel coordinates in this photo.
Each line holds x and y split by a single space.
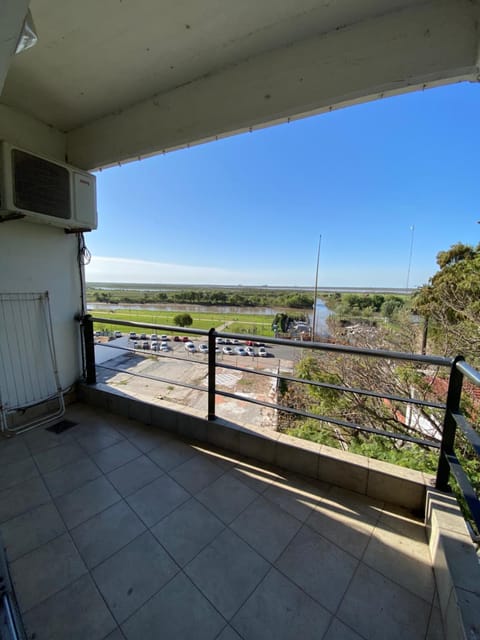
115 530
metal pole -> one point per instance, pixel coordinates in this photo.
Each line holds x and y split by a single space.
316 289
211 375
449 425
412 229
87 326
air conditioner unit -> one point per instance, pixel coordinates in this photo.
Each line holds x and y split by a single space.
45 191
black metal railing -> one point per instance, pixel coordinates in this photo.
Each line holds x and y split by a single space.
454 419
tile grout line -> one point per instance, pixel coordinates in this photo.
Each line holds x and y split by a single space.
88 572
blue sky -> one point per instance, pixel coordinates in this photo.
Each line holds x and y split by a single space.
249 209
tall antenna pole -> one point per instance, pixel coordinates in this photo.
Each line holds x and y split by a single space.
316 289
412 229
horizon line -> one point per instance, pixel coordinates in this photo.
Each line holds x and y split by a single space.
333 288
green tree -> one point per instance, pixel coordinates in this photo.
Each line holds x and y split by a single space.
183 320
451 302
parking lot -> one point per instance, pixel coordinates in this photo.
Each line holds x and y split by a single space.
152 375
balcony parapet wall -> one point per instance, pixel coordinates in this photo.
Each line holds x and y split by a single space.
380 480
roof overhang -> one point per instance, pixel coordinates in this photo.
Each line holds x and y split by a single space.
119 81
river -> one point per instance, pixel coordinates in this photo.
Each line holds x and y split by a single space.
321 317
323 312
199 308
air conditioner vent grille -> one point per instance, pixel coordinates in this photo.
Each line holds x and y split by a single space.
40 185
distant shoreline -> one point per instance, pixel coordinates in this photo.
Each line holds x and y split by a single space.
146 286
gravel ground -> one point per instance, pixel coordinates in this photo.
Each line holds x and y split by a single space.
117 366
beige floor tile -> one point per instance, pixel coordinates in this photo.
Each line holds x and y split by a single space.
22 497
78 612
278 610
31 530
226 497
134 475
178 611
104 534
226 572
46 570
404 560
266 527
86 501
197 473
318 567
157 499
379 609
352 534
187 530
133 575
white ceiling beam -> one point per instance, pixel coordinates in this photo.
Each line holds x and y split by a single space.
430 44
12 15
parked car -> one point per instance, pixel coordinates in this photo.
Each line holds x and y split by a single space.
118 334
155 346
145 344
203 347
154 337
186 339
135 344
227 351
176 339
249 343
190 347
143 336
164 347
132 336
262 352
219 340
250 351
235 341
240 351
164 338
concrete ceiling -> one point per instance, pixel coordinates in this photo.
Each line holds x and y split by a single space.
125 78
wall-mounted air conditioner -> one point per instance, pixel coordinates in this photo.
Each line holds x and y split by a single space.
45 191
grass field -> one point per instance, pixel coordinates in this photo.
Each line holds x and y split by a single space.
237 323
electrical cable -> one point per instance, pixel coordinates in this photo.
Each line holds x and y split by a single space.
84 257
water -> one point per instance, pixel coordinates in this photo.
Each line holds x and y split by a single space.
262 311
322 313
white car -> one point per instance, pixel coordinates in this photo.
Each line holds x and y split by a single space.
118 334
250 351
154 337
262 352
219 340
203 347
163 338
227 351
164 345
190 347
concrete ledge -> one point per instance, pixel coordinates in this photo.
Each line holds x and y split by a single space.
456 566
379 480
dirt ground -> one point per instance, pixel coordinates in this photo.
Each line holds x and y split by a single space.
158 378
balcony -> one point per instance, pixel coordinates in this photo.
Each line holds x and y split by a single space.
134 520
116 529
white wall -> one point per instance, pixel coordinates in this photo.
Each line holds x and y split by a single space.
36 258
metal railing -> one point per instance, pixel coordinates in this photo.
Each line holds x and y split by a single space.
454 419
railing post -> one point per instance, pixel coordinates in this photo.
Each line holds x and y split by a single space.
449 425
211 374
89 342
